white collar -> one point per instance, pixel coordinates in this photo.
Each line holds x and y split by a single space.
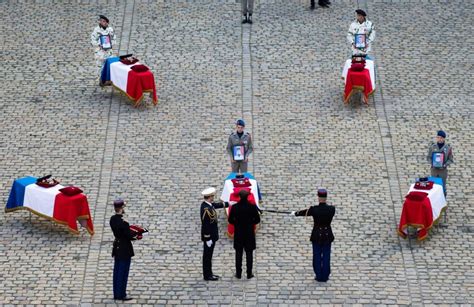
208 203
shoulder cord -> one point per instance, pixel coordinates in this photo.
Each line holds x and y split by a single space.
212 216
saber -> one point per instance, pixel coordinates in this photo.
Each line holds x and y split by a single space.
276 211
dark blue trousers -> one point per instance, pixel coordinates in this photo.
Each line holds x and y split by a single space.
121 269
322 261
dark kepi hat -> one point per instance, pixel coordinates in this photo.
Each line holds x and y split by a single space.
240 122
103 17
119 203
441 133
322 193
361 12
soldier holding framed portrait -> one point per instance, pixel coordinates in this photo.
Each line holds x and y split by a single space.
361 34
239 147
440 156
103 40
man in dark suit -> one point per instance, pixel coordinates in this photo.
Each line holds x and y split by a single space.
322 235
122 251
209 231
244 216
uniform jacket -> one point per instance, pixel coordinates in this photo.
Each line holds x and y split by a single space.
322 215
98 31
235 140
209 229
122 248
448 153
367 28
244 216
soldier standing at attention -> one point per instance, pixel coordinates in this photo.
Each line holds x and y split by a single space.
440 156
321 236
365 30
103 40
122 251
209 231
239 147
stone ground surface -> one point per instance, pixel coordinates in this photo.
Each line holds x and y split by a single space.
283 75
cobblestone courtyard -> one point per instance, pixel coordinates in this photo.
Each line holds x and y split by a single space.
282 75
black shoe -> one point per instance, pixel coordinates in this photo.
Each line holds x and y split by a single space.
238 276
321 280
126 299
249 276
216 276
245 20
323 4
249 19
211 278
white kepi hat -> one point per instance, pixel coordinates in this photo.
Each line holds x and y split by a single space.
208 192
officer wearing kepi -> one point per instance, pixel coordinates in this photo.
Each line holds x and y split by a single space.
103 40
122 250
321 236
209 231
440 156
239 147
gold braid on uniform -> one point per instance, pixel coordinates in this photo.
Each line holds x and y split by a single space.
212 215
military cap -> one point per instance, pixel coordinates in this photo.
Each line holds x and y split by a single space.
361 12
240 122
208 192
119 203
441 133
104 18
322 193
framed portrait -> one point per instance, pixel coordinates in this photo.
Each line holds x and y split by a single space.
239 153
105 42
360 41
438 159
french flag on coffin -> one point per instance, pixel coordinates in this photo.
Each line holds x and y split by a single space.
132 82
51 203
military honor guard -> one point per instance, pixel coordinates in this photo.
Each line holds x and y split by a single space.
244 216
103 40
239 147
122 251
209 231
440 156
321 236
361 34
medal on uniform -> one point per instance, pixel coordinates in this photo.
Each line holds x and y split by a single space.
438 159
105 42
360 41
239 153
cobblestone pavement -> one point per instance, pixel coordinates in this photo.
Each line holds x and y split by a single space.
283 75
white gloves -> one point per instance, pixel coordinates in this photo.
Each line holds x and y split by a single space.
293 213
209 243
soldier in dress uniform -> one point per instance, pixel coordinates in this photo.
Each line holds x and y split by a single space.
122 251
440 156
361 26
103 40
321 236
239 147
209 231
